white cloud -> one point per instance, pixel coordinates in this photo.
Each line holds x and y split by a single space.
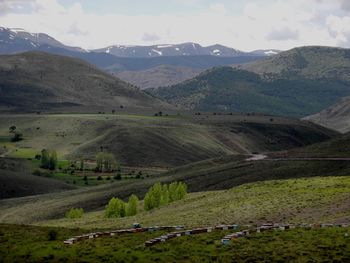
261 24
150 37
284 33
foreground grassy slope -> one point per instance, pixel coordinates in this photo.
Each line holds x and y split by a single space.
40 81
147 141
319 245
296 201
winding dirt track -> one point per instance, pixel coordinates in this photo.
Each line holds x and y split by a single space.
262 157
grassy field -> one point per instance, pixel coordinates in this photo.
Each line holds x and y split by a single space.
295 201
148 141
32 244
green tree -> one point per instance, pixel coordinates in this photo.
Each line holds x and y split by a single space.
17 136
53 160
115 208
159 194
105 162
99 161
132 205
45 159
12 129
74 213
81 164
164 200
147 202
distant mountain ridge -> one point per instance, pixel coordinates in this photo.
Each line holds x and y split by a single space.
15 40
184 49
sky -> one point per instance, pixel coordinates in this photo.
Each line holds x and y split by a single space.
242 24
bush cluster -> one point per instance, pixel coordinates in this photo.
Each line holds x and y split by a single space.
74 213
118 208
159 194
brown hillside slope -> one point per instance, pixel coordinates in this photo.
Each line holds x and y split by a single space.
41 81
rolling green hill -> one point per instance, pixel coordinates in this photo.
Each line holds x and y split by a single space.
160 76
37 81
298 82
310 62
150 141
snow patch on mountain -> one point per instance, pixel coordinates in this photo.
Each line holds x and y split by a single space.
271 52
164 46
160 53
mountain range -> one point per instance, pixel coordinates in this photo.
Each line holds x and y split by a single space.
190 57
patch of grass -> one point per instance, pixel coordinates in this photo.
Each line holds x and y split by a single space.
33 244
4 139
26 153
78 180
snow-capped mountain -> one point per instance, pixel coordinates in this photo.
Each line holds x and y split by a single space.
167 50
266 52
14 40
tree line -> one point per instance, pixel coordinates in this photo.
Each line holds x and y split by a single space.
158 195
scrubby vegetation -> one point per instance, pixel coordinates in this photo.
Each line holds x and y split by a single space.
299 245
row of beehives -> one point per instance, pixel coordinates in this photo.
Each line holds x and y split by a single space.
265 227
172 235
75 239
242 233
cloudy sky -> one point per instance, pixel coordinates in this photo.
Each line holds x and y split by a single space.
242 24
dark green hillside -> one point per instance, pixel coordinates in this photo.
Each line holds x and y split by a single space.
227 89
312 62
336 147
41 81
16 180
